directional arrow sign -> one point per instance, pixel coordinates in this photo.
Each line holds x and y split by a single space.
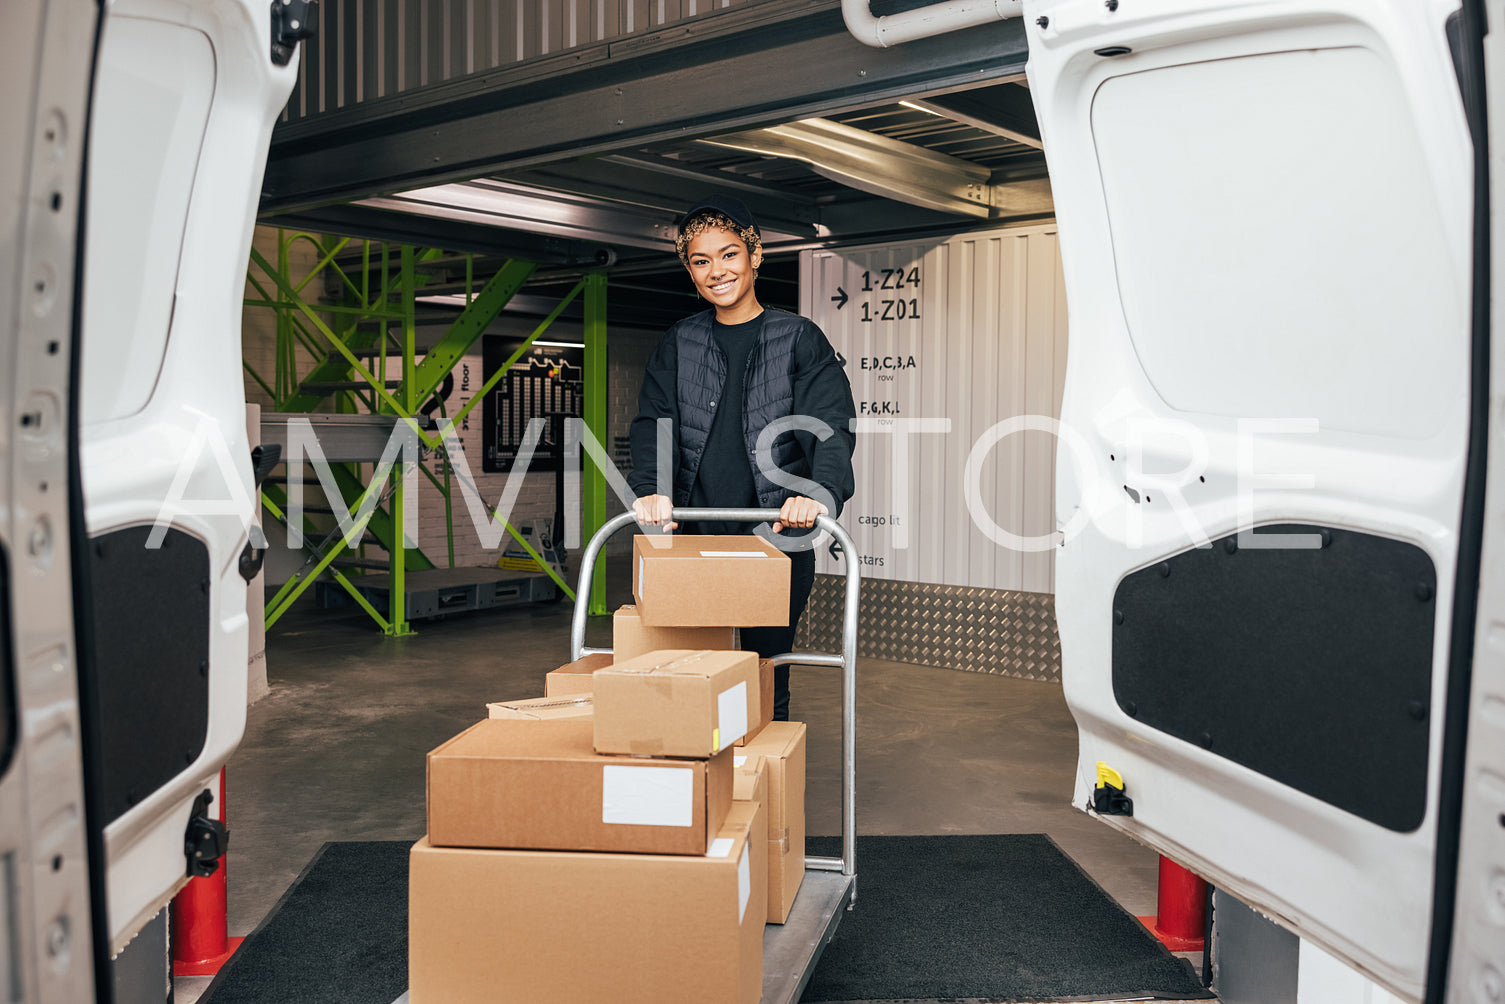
840 299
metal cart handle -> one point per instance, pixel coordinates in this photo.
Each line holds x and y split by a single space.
846 662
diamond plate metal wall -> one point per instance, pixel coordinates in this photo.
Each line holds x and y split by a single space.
1002 631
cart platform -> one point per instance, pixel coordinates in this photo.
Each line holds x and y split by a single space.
791 949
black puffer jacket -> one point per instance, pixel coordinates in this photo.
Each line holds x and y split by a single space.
792 371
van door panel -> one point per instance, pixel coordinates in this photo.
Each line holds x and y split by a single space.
1265 216
185 96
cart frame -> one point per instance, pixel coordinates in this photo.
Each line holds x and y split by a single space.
791 949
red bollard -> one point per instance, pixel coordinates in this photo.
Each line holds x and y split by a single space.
200 945
1181 899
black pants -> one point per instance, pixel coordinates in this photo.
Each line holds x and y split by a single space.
771 641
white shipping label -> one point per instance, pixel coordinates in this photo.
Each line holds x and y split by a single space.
738 760
648 796
733 554
642 567
721 847
744 884
731 713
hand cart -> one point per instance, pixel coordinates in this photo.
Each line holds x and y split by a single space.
791 949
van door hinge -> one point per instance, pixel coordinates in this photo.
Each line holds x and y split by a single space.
206 840
263 459
292 21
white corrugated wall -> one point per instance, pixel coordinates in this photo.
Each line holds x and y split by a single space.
989 345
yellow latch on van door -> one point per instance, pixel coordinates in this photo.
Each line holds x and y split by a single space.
1109 797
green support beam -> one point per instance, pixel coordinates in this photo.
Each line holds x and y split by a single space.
502 370
296 585
383 525
334 369
278 604
349 341
468 327
595 421
397 560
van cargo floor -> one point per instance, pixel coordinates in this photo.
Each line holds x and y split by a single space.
980 917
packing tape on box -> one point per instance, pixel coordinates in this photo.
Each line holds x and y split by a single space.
646 747
660 686
663 667
783 841
562 702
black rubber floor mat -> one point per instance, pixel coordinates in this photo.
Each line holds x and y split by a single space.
339 935
978 918
990 918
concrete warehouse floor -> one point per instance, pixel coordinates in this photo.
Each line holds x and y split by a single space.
336 751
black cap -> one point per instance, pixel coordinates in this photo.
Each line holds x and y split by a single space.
727 205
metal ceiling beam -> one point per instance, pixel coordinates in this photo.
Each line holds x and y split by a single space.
719 179
1005 110
531 210
783 61
656 184
369 223
874 164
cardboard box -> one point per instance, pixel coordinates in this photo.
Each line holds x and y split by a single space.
630 637
765 700
539 784
574 678
687 704
554 927
688 580
749 779
782 745
542 708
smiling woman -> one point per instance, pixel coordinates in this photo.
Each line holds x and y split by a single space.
723 259
721 378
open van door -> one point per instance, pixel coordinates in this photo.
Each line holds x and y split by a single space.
1271 472
185 97
136 138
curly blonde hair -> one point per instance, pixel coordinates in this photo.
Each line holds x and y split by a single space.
710 219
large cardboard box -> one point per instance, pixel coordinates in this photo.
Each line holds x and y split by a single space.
688 580
765 700
630 637
553 927
539 784
782 745
542 708
689 704
574 678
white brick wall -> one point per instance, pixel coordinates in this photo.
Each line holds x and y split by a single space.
258 326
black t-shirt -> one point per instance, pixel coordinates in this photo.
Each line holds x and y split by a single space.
725 478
